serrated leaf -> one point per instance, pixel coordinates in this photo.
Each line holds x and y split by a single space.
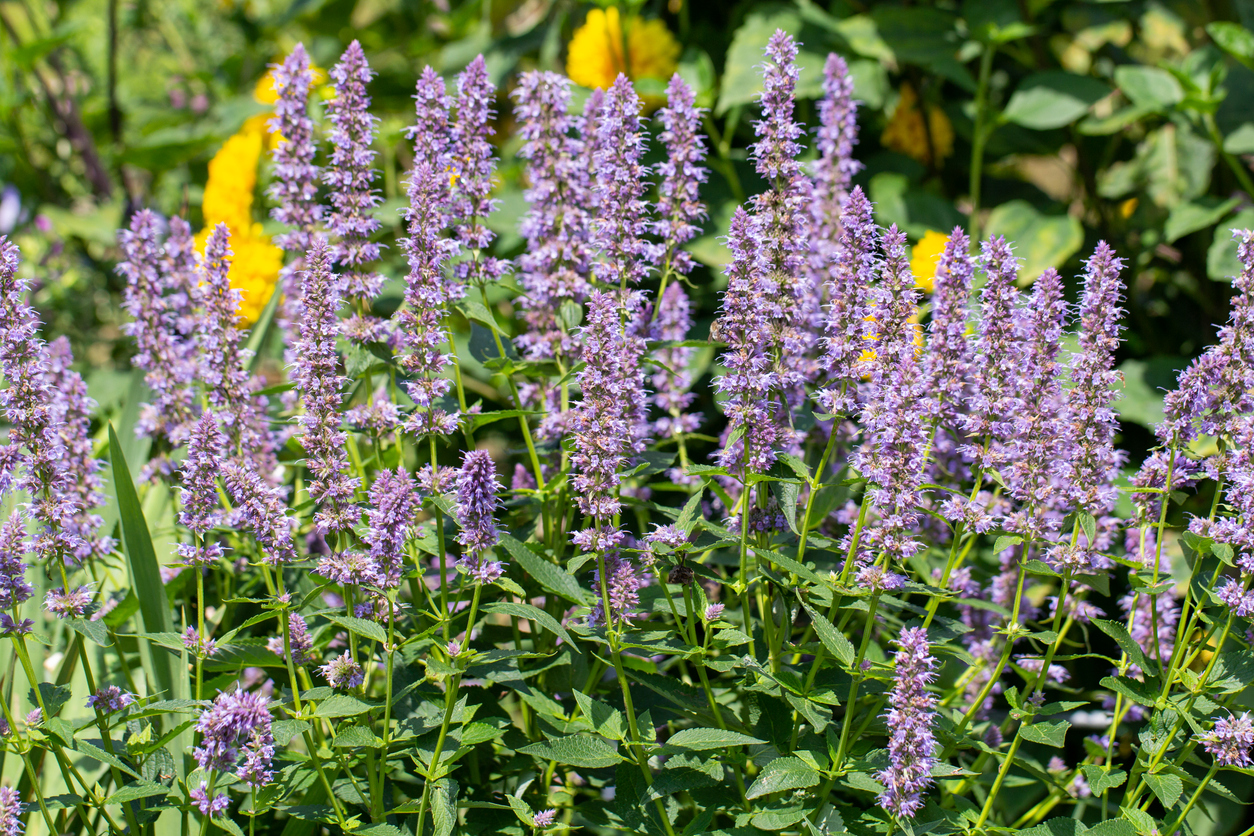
834 640
342 705
531 613
1049 734
701 740
136 791
1167 787
786 494
576 750
549 577
361 627
604 718
1102 778
444 806
787 773
354 737
1126 643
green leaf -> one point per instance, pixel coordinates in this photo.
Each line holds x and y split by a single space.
1194 215
1141 403
788 773
582 750
1234 671
1049 734
1135 690
1222 263
531 613
1102 778
1167 787
1004 542
1234 39
1148 87
93 630
1052 99
1041 240
136 791
691 514
444 807
701 740
261 329
342 705
361 627
786 494
93 751
145 573
549 577
1126 643
742 77
354 737
834 640
604 718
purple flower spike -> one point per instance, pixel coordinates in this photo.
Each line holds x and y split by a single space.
750 384
780 246
298 638
199 497
1217 386
350 177
477 501
233 719
679 206
395 499
673 380
949 359
852 274
993 405
557 259
911 745
623 583
835 168
262 508
213 806
11 811
110 698
230 391
621 182
895 428
421 333
342 673
318 380
294 190
1230 741
474 169
1089 461
64 604
164 353
14 588
1039 426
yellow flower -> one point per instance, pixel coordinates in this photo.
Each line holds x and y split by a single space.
906 132
868 354
1128 207
923 257
228 199
595 55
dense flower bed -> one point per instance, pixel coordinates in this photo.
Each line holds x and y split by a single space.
876 604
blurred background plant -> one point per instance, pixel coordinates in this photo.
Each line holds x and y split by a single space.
1055 124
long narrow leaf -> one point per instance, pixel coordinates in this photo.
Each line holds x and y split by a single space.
141 562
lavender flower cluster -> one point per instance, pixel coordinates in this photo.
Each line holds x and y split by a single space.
855 557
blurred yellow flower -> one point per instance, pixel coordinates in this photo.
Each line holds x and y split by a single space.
906 132
1128 207
923 257
868 354
595 55
228 199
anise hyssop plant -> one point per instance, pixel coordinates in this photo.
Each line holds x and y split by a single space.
524 554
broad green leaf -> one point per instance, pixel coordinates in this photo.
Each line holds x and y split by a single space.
361 627
1052 99
834 640
550 577
742 78
787 773
1102 778
531 613
1148 87
354 737
604 718
1049 734
1167 787
1222 263
136 791
444 807
1126 643
1195 215
700 740
1141 403
582 750
1040 240
1234 39
342 705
